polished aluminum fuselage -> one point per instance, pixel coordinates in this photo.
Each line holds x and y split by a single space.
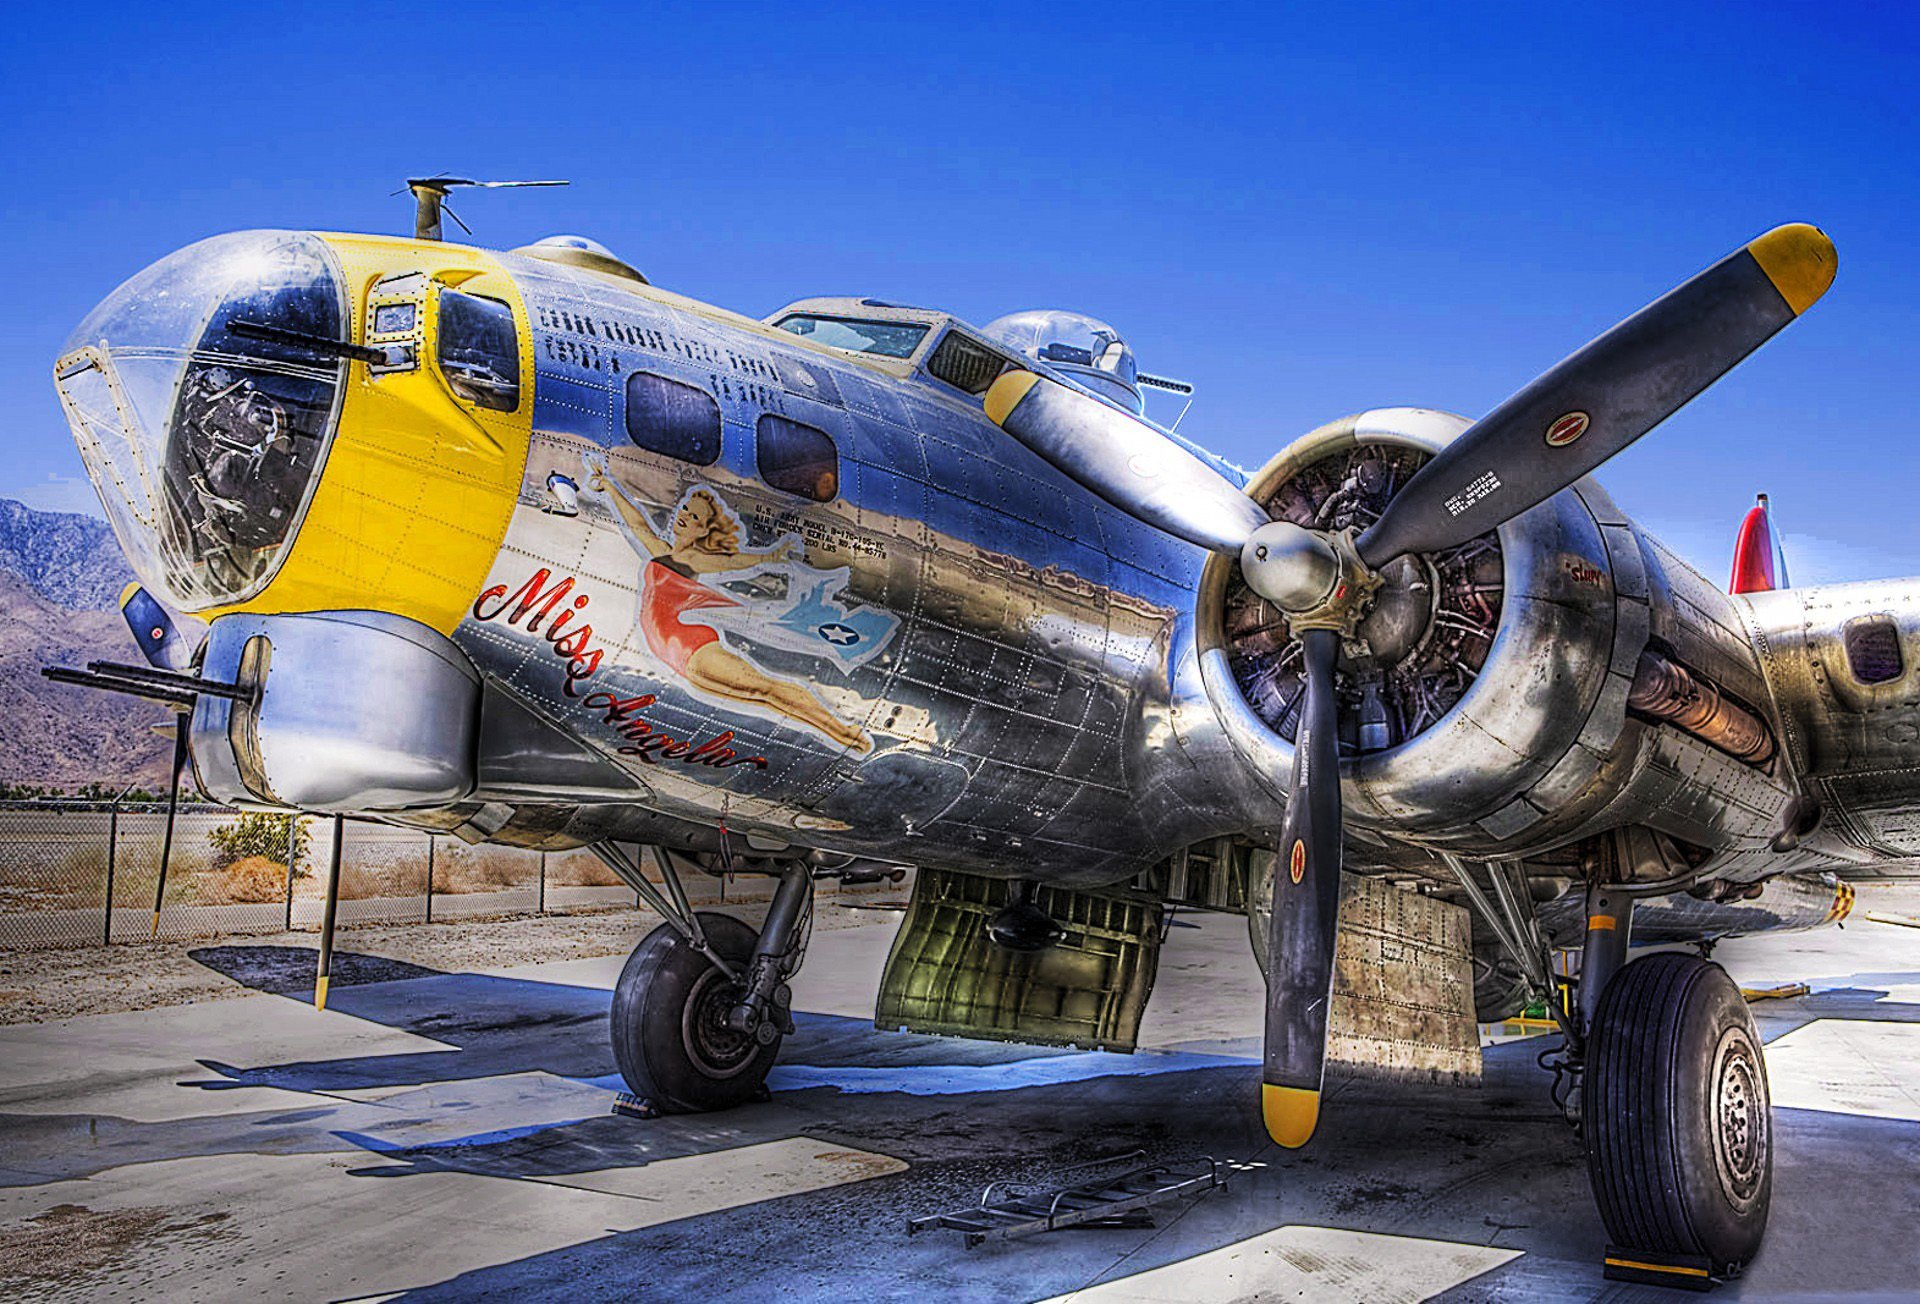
1020 710
1042 705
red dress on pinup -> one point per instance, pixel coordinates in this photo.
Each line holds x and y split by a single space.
667 591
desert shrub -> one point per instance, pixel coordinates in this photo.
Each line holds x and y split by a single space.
253 879
259 834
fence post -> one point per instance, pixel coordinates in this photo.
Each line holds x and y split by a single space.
293 854
543 884
433 841
113 838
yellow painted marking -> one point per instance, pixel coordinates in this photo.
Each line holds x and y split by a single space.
1290 1113
1525 1027
320 992
1882 917
1005 394
419 485
1601 923
1799 260
1656 1267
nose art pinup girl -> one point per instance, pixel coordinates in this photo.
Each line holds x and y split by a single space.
706 540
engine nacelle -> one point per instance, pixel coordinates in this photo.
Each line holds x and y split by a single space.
1487 690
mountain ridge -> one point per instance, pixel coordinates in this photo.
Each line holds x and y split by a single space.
61 575
70 560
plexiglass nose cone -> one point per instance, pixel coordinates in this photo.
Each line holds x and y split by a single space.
204 445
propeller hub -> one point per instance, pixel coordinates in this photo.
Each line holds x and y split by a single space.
1292 567
1317 579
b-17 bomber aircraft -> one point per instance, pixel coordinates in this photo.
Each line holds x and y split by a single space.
519 546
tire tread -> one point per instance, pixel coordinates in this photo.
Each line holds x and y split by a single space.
1634 1092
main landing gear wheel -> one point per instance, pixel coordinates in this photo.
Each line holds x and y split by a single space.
669 1025
1677 1121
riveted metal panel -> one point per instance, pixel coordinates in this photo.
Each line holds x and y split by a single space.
1515 817
1623 555
1609 715
1630 626
1402 1004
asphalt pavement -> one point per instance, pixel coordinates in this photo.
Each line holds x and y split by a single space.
449 1135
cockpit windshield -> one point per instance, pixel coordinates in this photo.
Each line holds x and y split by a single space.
205 442
886 339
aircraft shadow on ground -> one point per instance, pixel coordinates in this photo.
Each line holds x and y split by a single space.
832 1070
962 1114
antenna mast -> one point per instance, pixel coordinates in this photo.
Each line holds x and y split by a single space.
429 199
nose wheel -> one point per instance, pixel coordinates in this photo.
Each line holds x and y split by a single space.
671 1026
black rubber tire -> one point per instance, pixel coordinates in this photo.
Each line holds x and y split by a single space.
1678 1125
669 1038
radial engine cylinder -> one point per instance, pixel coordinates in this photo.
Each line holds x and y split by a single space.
1486 686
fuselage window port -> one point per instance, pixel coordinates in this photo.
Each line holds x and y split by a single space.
799 459
1873 650
666 416
966 364
479 350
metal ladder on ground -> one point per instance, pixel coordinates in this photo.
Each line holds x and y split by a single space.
1117 1201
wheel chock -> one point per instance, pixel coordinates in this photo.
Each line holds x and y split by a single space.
1681 1271
1784 992
628 1105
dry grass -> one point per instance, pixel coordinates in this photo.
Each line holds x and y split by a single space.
252 880
578 869
460 868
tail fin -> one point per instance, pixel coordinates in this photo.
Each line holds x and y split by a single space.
1758 564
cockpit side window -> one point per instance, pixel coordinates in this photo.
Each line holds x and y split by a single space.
797 458
479 350
666 416
885 339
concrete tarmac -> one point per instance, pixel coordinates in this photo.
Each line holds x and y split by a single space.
448 1135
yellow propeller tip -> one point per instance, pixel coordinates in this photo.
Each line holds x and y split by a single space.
126 594
154 931
1291 1113
320 993
1005 394
1799 260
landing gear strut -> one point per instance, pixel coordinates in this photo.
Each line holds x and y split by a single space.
702 1005
1668 1087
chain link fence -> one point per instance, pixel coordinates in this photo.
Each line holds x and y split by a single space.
89 874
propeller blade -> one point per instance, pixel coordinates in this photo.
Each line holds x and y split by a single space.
1306 909
173 809
159 639
327 917
1603 397
1127 461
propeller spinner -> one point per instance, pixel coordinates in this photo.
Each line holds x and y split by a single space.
1562 426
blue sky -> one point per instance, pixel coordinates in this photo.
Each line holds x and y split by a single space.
1306 211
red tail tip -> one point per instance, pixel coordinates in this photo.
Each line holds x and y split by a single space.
1755 565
